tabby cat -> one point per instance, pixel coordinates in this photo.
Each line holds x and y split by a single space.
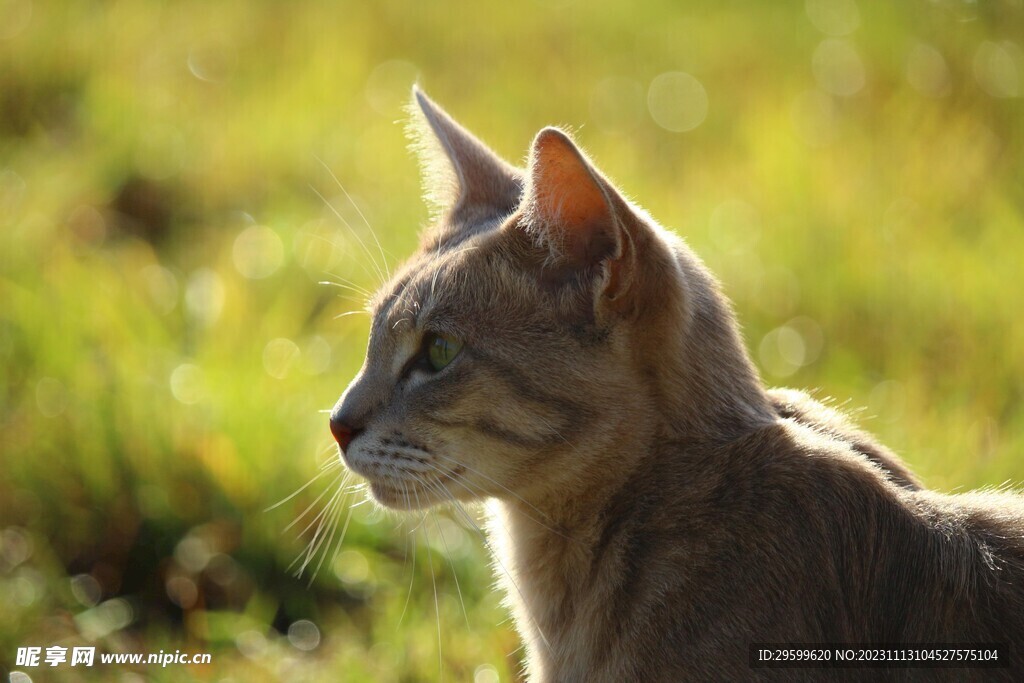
657 510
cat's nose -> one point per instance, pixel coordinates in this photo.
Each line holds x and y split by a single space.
351 413
343 431
344 427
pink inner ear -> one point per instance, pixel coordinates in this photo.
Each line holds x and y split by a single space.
567 194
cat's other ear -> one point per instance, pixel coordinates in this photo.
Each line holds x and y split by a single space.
462 177
578 214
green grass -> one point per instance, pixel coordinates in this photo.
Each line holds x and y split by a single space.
155 399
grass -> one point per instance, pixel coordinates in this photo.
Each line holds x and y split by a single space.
167 348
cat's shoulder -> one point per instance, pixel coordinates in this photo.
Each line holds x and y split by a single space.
801 408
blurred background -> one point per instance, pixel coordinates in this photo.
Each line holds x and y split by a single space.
176 179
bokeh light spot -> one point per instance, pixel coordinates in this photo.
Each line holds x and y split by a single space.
485 673
193 553
87 223
27 587
451 540
304 635
838 68
212 61
187 383
677 101
86 589
997 68
252 644
782 351
161 286
222 569
927 71
812 335
105 618
351 567
258 252
791 346
182 591
204 296
278 357
51 397
316 356
887 401
15 547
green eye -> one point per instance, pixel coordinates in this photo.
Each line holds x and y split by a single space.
442 349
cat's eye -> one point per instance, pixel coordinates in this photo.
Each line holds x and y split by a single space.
441 350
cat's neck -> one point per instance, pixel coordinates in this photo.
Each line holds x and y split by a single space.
544 565
552 561
708 389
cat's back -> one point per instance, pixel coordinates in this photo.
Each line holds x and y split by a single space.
791 534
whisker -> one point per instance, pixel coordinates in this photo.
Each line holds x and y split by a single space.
504 569
321 534
513 494
373 259
358 311
451 562
321 517
467 485
433 581
327 548
329 445
297 491
332 526
300 490
345 285
460 250
364 501
412 576
557 433
355 206
466 517
348 282
494 554
433 282
311 505
361 298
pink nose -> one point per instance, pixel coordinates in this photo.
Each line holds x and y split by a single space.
342 433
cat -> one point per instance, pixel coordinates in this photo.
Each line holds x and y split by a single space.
657 510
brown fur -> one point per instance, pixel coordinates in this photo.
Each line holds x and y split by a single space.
657 508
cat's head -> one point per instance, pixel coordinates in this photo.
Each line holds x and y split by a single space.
520 353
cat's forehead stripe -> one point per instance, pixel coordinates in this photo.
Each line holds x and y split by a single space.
416 294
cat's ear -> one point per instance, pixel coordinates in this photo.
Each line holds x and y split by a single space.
577 213
462 177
